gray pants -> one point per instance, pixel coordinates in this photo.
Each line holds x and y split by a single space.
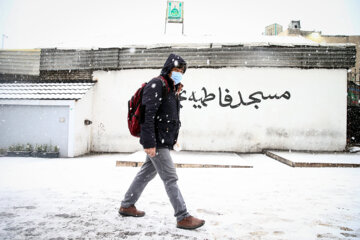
162 164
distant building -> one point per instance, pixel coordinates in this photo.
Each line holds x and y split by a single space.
273 29
316 36
294 29
295 25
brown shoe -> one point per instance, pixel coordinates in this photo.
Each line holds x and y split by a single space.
131 211
190 223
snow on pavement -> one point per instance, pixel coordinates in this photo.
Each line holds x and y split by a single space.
195 158
78 199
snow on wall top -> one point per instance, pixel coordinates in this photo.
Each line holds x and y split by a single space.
184 41
59 91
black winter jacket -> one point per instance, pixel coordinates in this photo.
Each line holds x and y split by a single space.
161 121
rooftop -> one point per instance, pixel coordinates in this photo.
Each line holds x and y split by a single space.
50 91
184 41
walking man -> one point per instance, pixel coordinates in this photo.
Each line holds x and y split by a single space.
159 132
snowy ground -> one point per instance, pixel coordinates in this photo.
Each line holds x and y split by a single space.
212 158
79 198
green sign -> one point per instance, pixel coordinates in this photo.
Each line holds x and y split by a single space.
175 11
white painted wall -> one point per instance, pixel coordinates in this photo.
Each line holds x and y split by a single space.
111 94
83 109
313 118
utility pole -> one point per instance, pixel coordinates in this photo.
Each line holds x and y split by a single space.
3 39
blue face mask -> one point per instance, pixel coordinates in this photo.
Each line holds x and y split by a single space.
177 77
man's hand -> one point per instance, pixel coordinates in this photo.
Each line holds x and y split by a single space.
150 151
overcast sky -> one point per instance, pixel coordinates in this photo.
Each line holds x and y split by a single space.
46 23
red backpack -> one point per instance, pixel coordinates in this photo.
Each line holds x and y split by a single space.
135 109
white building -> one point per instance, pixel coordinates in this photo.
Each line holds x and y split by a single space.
242 97
47 113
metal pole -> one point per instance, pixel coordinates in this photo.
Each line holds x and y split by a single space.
183 18
166 15
3 39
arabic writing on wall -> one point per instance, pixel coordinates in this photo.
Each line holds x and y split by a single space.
227 100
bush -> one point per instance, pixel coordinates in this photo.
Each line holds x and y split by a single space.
17 148
29 148
46 148
2 151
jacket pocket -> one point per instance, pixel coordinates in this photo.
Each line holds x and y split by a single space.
167 133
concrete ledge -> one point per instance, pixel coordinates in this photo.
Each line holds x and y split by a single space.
310 164
181 165
280 159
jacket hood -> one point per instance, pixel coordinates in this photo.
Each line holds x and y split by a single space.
172 62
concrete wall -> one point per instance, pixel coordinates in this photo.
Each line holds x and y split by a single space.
35 122
82 133
307 112
111 94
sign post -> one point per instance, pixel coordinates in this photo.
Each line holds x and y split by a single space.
3 39
175 13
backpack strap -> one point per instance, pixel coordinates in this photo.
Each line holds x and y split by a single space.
165 83
166 88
